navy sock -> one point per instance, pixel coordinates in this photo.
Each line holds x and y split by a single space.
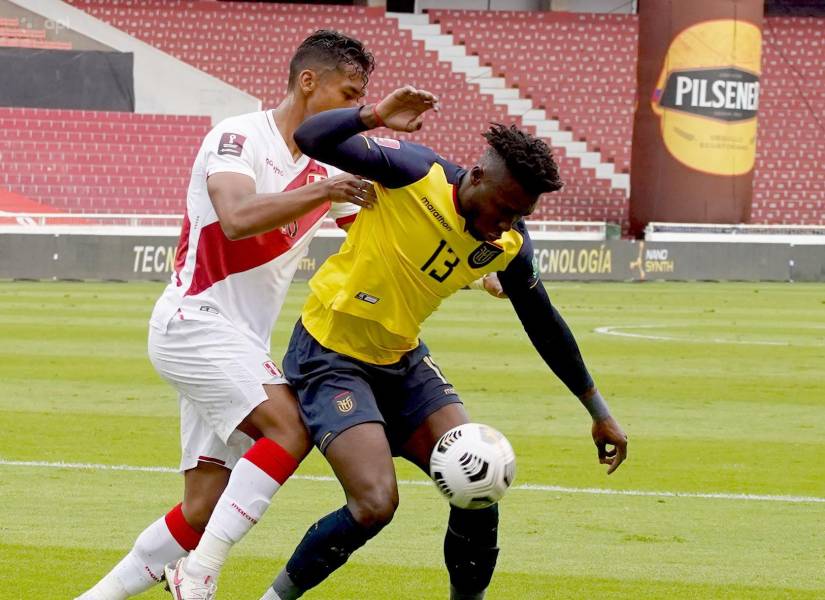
326 546
470 550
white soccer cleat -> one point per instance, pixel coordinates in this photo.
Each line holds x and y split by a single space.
183 586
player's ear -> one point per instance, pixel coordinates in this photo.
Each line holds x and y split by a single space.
476 175
307 81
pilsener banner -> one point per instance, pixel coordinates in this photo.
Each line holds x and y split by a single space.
694 133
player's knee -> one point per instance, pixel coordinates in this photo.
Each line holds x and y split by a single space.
197 510
374 506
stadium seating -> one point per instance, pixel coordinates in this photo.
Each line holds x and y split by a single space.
789 184
249 46
579 67
89 161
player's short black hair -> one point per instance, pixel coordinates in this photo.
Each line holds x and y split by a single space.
529 160
327 47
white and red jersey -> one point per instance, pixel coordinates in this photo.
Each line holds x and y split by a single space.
245 280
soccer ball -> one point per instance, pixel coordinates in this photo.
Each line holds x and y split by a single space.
473 465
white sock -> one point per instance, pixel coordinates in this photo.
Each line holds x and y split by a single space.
254 480
142 568
270 595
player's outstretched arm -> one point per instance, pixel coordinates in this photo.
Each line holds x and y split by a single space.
556 344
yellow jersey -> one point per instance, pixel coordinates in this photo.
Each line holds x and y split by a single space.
412 250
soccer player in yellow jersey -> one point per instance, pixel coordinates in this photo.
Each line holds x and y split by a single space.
367 386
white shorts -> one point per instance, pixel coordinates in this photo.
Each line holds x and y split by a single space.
219 375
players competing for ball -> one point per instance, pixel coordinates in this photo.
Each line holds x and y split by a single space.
367 386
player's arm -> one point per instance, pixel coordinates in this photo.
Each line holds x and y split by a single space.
556 344
334 137
244 213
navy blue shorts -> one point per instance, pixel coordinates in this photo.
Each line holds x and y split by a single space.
337 392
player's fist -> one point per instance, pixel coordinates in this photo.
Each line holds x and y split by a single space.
607 432
402 110
350 188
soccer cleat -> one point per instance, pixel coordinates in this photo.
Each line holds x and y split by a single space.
183 586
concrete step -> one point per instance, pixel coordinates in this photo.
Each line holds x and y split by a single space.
491 83
543 126
421 31
475 73
587 159
518 106
448 52
560 138
621 181
605 171
434 42
408 19
461 62
501 94
572 148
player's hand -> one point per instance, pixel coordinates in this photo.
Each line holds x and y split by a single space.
607 432
350 188
403 109
492 285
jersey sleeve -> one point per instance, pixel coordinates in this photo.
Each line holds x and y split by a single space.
336 137
229 149
545 327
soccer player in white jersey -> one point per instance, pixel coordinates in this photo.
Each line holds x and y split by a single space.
254 202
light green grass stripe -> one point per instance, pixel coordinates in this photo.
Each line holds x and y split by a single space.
521 487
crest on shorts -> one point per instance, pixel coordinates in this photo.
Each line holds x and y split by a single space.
484 255
344 402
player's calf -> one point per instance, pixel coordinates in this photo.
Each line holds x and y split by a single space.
470 551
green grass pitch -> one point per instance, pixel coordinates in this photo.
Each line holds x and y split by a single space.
723 393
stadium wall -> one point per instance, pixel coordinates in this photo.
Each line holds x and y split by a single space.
151 257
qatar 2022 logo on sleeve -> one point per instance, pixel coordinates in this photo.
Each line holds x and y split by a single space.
707 96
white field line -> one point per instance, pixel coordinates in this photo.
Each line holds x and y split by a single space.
524 487
646 336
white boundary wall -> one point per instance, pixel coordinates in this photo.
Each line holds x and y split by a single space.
163 84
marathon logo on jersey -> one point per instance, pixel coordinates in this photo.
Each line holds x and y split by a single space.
484 255
435 213
272 369
344 402
365 297
232 144
727 94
